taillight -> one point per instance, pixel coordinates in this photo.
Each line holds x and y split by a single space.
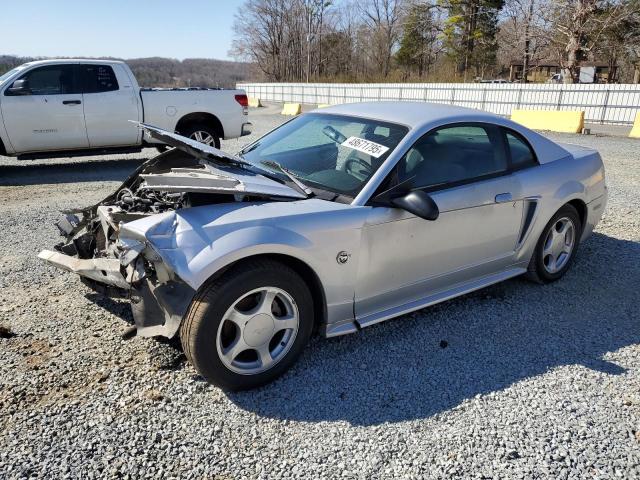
242 100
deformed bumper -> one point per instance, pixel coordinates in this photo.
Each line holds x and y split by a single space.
157 306
103 270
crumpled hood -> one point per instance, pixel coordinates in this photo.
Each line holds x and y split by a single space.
188 239
217 172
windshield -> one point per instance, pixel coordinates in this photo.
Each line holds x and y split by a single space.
331 152
8 74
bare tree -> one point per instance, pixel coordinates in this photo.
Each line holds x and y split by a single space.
525 32
620 44
579 25
383 19
359 40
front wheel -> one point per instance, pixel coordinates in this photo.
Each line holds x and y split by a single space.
249 326
556 247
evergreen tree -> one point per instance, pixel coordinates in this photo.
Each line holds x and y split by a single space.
417 46
470 33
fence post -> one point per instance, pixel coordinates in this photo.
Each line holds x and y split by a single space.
453 95
604 107
519 102
484 97
379 93
559 99
361 92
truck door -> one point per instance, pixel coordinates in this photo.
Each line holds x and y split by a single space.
109 103
46 112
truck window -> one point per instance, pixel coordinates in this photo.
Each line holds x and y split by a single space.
52 80
98 78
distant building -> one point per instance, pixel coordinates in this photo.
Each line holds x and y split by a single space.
591 72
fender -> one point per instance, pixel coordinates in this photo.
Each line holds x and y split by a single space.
196 258
568 191
197 243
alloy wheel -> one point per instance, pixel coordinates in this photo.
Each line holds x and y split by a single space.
257 330
203 137
558 245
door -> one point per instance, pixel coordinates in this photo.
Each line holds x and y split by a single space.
109 104
47 113
465 169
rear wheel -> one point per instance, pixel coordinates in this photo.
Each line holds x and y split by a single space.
249 326
556 247
202 133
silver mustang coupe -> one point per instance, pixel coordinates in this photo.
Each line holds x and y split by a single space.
339 219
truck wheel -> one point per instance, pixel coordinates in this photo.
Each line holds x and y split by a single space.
202 133
556 246
248 327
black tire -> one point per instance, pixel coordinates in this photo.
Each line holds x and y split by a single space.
537 270
192 128
199 329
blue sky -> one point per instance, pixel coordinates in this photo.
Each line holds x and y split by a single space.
126 29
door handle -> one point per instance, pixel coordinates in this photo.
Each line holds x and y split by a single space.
71 102
503 197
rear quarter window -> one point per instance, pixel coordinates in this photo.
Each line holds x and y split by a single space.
99 78
522 156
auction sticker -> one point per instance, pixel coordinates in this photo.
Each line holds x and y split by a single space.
365 146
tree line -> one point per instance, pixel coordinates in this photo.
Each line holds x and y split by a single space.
169 72
433 40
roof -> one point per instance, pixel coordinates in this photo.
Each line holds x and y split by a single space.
53 61
411 114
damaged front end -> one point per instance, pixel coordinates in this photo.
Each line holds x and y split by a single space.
106 244
118 266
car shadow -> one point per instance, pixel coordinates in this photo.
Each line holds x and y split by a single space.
431 361
55 173
121 308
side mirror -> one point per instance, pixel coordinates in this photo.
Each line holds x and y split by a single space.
19 87
418 203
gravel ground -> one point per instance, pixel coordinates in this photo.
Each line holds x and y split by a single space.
514 381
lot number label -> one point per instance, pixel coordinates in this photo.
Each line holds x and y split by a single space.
365 146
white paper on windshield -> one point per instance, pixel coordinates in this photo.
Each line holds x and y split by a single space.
365 146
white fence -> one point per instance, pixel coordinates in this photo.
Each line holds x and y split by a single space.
602 103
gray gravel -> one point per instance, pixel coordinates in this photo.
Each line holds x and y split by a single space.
514 381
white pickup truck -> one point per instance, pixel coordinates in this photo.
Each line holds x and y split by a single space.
62 108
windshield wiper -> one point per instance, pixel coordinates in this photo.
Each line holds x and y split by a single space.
276 166
249 148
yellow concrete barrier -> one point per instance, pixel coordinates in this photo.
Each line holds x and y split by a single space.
323 105
255 102
291 109
567 121
635 131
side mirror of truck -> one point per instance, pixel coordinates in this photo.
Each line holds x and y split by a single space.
19 87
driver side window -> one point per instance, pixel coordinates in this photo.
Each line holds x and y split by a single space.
452 155
51 80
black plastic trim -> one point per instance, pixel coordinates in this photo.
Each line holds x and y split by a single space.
78 153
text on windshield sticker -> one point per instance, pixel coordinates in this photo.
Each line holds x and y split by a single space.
365 146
